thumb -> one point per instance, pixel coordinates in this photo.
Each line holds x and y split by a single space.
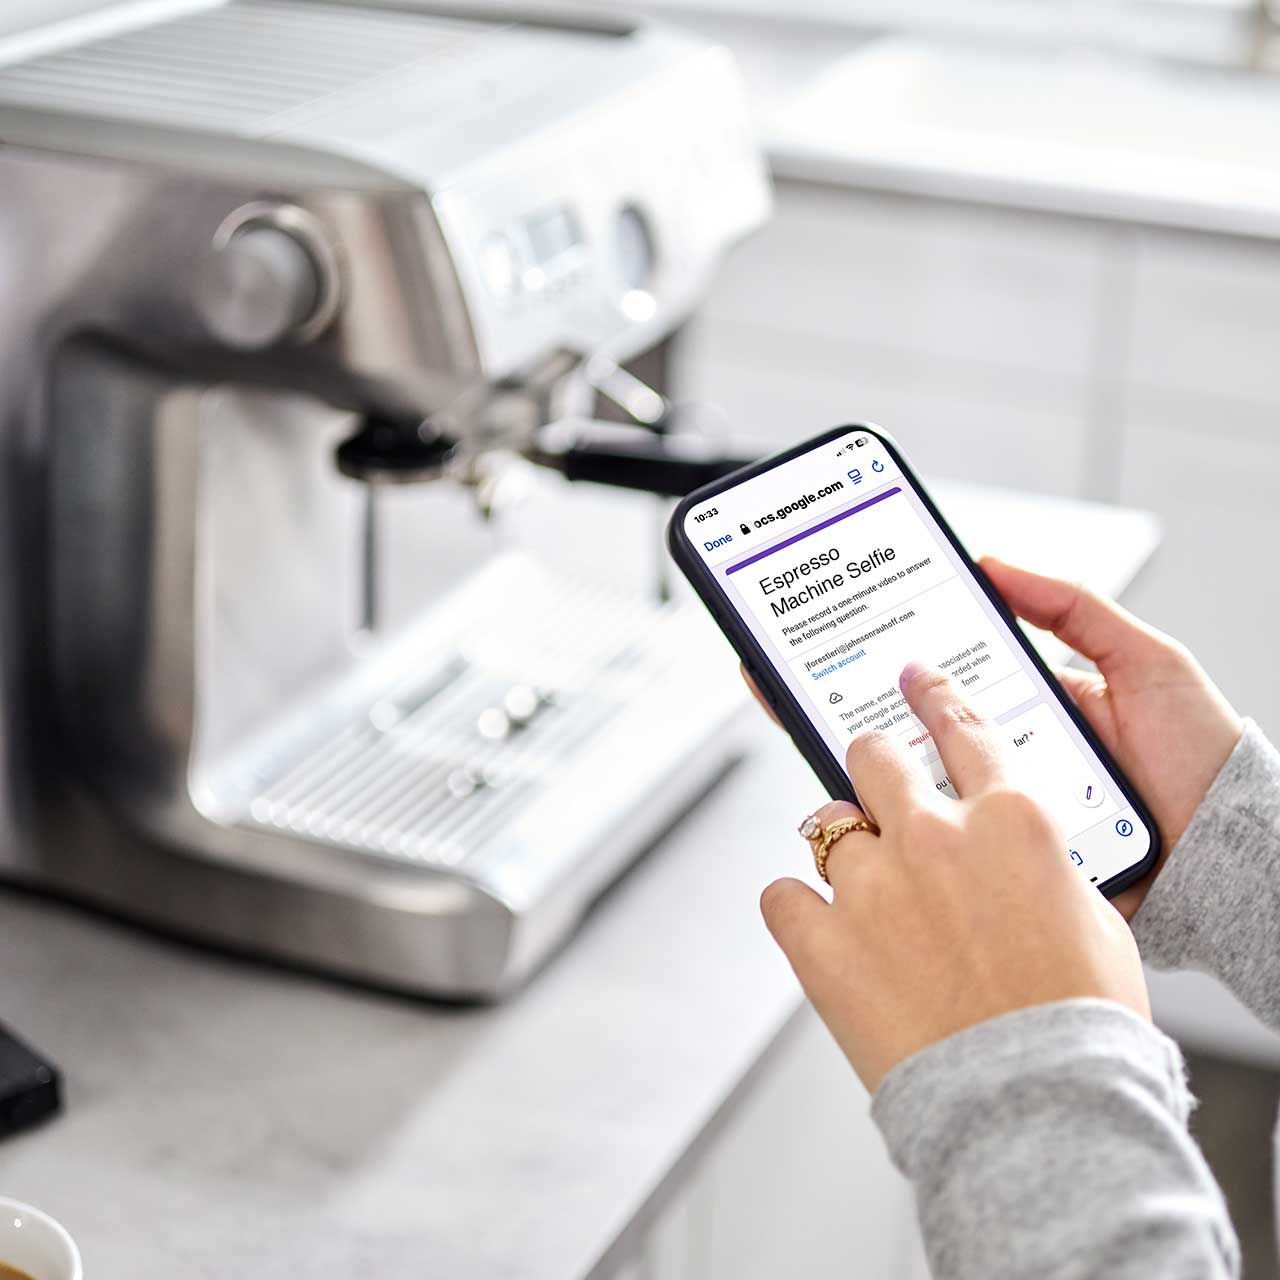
1106 634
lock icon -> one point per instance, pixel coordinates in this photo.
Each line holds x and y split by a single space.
746 528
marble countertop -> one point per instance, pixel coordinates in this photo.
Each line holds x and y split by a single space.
228 1119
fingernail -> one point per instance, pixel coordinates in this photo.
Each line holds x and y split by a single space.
909 673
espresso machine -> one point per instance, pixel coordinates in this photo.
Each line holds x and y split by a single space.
300 297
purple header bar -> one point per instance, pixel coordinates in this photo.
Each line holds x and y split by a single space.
817 528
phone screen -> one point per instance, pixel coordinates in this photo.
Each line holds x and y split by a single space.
834 563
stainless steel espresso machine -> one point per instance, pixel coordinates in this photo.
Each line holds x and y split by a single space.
261 261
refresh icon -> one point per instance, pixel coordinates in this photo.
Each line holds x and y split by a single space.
877 465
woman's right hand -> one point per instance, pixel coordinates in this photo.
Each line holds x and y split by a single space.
1150 702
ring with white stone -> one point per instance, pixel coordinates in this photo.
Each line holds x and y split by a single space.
821 839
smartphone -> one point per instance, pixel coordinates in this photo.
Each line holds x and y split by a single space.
829 568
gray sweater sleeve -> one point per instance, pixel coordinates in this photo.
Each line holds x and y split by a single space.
1052 1144
1216 903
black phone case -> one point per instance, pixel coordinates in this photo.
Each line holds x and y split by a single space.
759 665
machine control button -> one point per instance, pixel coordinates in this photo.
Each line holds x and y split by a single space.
633 245
257 287
498 264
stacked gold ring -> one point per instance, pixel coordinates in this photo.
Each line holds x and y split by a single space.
821 839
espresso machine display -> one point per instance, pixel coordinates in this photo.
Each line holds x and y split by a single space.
263 261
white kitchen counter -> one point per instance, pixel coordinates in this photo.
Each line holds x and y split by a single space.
1113 139
228 1119
1058 126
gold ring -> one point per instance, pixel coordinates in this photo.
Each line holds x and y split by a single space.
821 838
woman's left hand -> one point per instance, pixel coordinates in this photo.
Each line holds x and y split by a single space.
957 912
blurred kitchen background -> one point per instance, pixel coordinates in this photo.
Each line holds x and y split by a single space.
1038 241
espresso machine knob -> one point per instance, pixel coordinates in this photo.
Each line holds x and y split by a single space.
259 285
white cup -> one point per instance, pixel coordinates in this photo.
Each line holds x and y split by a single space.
33 1242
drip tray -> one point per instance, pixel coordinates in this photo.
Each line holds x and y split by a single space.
427 781
427 750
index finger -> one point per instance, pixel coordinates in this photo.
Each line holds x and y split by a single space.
972 754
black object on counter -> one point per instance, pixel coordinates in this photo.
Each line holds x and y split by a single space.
30 1086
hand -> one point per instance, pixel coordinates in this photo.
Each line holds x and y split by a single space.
1151 704
957 912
